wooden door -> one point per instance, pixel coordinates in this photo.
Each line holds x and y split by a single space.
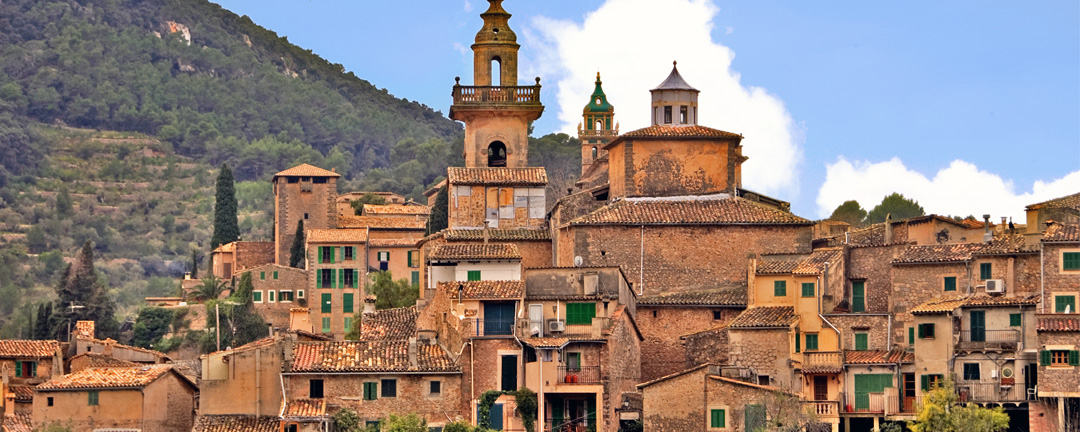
978 326
909 393
821 387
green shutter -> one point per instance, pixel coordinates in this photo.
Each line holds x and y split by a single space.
18 368
580 313
341 278
911 336
416 278
858 296
348 324
719 418
275 274
1074 358
1070 261
1061 303
950 283
319 251
347 302
797 342
1015 320
811 342
262 275
326 325
256 296
861 342
779 288
1044 357
318 278
326 303
808 289
922 331
474 275
332 250
271 296
985 271
371 391
410 258
925 382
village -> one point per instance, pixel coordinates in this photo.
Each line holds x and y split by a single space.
656 294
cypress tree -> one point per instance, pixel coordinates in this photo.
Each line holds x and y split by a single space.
439 219
296 252
194 264
226 224
81 286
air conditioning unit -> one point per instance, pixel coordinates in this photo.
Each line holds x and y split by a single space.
995 286
556 326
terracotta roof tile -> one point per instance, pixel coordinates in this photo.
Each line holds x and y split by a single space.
23 393
878 357
111 377
1058 232
306 170
720 297
546 342
115 344
812 264
390 243
948 304
680 132
28 348
961 251
478 290
1058 323
336 235
533 176
765 316
369 356
703 210
304 408
381 222
1068 201
497 234
781 266
236 423
102 360
396 209
475 251
84 328
19 422
389 324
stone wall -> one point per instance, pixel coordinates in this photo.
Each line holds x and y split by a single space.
764 352
676 404
662 351
709 346
288 279
1057 379
621 368
480 368
914 284
317 208
1055 280
253 254
872 265
469 206
674 167
413 395
875 326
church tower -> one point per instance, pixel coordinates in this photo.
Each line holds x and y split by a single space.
674 102
598 128
495 109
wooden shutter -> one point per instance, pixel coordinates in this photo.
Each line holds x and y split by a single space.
1015 320
275 274
318 278
262 275
18 368
911 335
861 342
858 297
332 249
1070 261
347 303
319 252
797 342
1074 358
1044 357
325 303
341 278
925 382
950 283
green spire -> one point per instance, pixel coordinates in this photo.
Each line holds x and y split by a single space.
598 102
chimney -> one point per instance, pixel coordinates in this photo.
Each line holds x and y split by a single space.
485 232
369 304
412 352
1004 224
187 276
888 228
987 236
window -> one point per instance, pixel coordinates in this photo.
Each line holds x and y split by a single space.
25 369
325 278
256 296
580 313
1065 304
300 294
262 275
326 303
389 388
416 278
326 325
808 289
315 389
932 380
858 296
275 274
950 283
348 323
49 401
682 115
1059 358
797 340
667 114
971 371
911 335
763 380
92 398
861 342
285 296
811 342
926 331
985 271
474 275
1070 261
347 303
779 288
717 315
718 418
1015 320
435 387
326 254
270 296
371 391
349 278
414 259
350 253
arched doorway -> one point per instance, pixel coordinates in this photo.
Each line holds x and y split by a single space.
496 154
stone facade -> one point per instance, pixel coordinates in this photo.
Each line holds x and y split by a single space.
301 198
412 394
166 404
503 207
279 288
662 350
245 380
1055 279
766 352
673 167
875 326
872 265
1059 381
709 346
337 302
685 402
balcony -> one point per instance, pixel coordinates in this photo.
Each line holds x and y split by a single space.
531 329
479 327
480 96
823 410
579 375
988 340
822 361
975 391
593 133
895 405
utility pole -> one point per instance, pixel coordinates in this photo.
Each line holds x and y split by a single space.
217 323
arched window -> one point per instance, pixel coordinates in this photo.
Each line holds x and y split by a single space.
497 154
594 152
496 71
599 125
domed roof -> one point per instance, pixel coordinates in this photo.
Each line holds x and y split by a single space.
598 102
496 25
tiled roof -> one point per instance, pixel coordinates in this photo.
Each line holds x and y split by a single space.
115 344
1058 323
674 81
306 170
948 304
399 242
23 393
380 222
489 289
396 209
369 356
812 264
1068 201
475 251
389 324
780 266
533 176
84 328
28 348
703 210
546 342
1058 232
497 234
304 408
19 422
336 235
720 297
680 132
102 360
765 316
236 423
879 357
108 378
961 251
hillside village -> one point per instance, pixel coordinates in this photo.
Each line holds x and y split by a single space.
658 293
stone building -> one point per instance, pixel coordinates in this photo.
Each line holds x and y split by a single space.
244 380
1058 404
232 258
23 365
302 193
344 201
336 258
276 290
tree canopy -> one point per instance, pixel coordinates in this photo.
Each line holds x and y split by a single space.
83 297
226 224
850 212
296 251
896 205
941 411
440 217
390 293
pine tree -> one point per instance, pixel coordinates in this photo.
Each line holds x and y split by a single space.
82 296
41 327
64 205
194 264
296 252
439 219
226 224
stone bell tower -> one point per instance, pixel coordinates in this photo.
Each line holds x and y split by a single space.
598 128
496 110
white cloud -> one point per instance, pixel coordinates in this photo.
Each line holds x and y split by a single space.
960 189
632 43
729 30
468 6
466 52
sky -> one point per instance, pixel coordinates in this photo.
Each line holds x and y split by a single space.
967 106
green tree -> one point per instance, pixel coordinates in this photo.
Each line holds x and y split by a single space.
226 224
246 324
407 423
347 420
942 412
83 296
390 293
850 212
41 324
439 218
458 426
64 205
194 263
296 252
367 198
897 206
151 325
209 288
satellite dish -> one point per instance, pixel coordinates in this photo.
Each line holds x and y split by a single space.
578 261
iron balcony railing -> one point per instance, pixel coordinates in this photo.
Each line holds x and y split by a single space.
483 95
977 391
479 327
1006 340
579 375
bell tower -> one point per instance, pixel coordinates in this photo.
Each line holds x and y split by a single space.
496 110
598 128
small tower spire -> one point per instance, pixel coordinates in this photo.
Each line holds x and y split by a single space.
674 102
599 128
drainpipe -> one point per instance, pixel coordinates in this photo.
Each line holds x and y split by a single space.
641 265
1042 281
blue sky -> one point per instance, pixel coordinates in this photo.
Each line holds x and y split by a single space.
968 106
